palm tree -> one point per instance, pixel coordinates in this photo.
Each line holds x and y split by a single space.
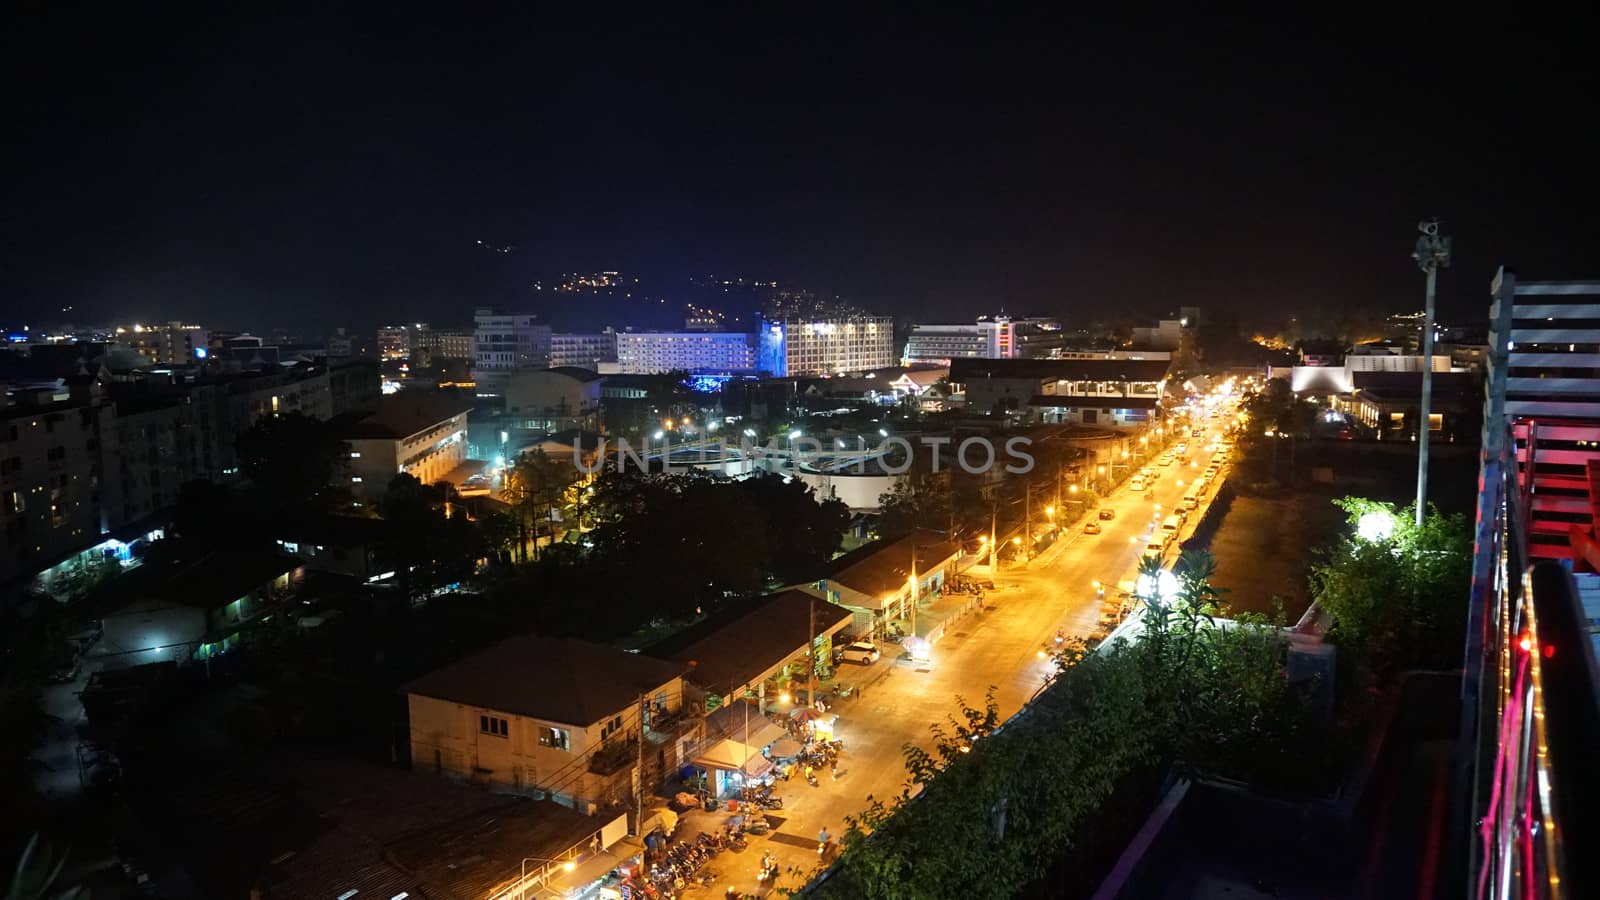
36 873
534 483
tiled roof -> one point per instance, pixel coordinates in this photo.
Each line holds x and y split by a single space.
557 680
964 370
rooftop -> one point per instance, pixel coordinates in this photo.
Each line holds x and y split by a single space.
735 647
1082 402
577 373
967 369
306 828
207 581
329 530
404 414
557 680
884 567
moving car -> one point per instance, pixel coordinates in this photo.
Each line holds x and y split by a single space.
863 652
1091 528
1137 483
1107 513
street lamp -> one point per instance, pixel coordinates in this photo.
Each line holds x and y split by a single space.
522 886
1375 527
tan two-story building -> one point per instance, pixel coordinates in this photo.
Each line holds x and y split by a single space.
562 717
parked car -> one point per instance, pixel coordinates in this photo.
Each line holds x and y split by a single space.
1091 528
1107 513
863 652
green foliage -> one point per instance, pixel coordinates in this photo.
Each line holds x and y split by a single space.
1396 604
987 814
669 547
436 548
291 458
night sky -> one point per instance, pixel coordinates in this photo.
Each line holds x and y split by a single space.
339 168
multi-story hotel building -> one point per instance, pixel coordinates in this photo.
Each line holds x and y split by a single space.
825 346
643 353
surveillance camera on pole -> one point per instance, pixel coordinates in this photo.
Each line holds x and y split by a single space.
1432 254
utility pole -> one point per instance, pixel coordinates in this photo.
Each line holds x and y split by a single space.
1027 522
811 651
914 585
638 821
994 537
1432 253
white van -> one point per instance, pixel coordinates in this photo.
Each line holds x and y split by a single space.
1169 528
1137 483
1155 548
1191 502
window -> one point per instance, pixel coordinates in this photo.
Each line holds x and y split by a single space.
494 725
610 728
555 737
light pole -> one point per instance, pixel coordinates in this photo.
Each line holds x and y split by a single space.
1432 253
522 881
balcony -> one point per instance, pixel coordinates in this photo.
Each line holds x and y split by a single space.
614 755
1534 696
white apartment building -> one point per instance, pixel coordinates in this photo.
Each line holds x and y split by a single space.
168 344
644 353
585 351
938 344
419 433
506 343
825 346
561 716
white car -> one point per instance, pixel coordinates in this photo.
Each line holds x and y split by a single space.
863 652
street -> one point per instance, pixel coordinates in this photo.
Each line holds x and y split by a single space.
999 647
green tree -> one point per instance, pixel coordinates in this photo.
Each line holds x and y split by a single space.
1396 600
801 532
535 484
433 538
291 458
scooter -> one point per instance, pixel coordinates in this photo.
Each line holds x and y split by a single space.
811 779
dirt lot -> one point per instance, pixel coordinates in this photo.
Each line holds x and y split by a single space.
1262 550
1265 543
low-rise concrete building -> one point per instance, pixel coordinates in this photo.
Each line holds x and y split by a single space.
553 400
559 716
875 581
190 608
419 433
1101 392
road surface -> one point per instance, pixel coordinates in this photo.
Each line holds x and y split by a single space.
1000 647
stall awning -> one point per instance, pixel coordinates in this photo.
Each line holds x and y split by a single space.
742 723
731 756
564 884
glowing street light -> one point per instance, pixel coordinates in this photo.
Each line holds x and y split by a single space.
1375 527
1016 541
1050 510
1163 587
794 434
